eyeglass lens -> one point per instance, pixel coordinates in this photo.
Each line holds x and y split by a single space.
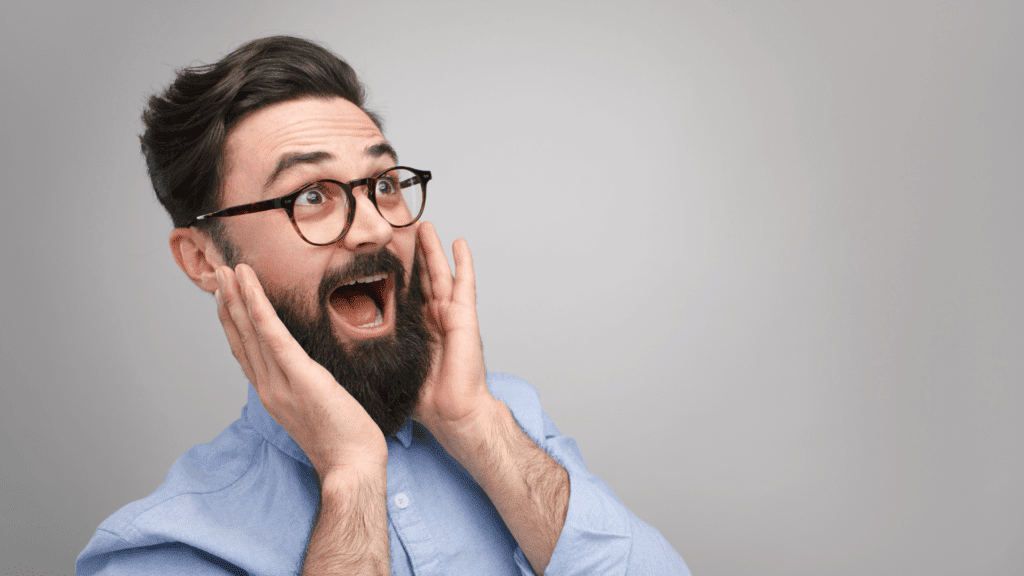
321 209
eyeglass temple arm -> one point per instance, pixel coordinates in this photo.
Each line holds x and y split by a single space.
262 206
421 177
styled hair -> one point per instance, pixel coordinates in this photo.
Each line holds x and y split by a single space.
187 125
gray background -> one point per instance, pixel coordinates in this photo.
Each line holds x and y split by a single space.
765 263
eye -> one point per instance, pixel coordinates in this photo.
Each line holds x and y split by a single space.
314 195
386 185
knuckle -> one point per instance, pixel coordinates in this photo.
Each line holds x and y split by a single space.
277 345
238 352
246 337
274 344
229 297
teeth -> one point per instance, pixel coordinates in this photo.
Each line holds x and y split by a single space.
366 279
375 323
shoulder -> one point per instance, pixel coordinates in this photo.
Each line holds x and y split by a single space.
180 505
513 390
203 513
522 399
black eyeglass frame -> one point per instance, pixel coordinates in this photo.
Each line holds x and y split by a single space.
288 203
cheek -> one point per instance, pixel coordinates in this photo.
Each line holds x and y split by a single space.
263 232
277 253
404 246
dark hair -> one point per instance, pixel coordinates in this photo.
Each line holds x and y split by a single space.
187 125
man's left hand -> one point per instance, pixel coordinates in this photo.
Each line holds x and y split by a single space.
528 488
454 400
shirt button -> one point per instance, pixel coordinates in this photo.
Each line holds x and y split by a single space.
401 500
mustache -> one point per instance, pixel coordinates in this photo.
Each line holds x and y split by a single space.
382 261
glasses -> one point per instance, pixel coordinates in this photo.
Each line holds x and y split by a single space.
323 211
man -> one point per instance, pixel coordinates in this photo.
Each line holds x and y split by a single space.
373 441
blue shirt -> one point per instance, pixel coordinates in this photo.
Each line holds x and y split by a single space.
245 504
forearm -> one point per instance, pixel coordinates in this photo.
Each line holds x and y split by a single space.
527 487
350 535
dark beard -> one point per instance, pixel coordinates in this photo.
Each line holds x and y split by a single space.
383 374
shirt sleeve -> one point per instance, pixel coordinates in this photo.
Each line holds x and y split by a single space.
107 554
600 535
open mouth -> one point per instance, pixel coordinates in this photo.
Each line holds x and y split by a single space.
364 304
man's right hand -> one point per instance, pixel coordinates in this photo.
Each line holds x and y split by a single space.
345 446
330 426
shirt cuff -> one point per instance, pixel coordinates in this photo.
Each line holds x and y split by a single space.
596 535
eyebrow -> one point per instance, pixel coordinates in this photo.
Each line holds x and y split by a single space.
294 159
288 160
381 149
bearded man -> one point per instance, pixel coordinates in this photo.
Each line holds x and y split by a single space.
373 441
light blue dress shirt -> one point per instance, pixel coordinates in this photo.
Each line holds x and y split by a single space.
245 504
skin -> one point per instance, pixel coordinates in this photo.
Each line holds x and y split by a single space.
347 449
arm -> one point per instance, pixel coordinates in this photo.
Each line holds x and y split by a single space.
600 534
565 520
351 518
528 488
347 449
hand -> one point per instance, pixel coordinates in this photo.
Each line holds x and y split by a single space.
528 488
330 426
454 399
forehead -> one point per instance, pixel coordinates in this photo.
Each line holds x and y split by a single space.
333 125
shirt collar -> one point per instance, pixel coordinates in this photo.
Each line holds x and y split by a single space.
261 420
404 434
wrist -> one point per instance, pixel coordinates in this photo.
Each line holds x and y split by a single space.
472 440
487 446
370 474
366 459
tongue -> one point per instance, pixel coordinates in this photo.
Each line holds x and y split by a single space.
356 307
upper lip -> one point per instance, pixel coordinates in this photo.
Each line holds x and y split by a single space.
365 279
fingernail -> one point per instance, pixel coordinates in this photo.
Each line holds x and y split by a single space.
216 296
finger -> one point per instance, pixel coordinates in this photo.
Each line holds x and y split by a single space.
257 304
428 290
230 293
282 352
234 338
437 264
465 278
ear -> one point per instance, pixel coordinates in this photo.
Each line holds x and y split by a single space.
197 256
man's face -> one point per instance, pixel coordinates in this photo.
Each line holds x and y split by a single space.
354 306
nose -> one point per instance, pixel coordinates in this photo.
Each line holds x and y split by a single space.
369 231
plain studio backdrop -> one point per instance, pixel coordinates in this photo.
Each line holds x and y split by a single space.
764 262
